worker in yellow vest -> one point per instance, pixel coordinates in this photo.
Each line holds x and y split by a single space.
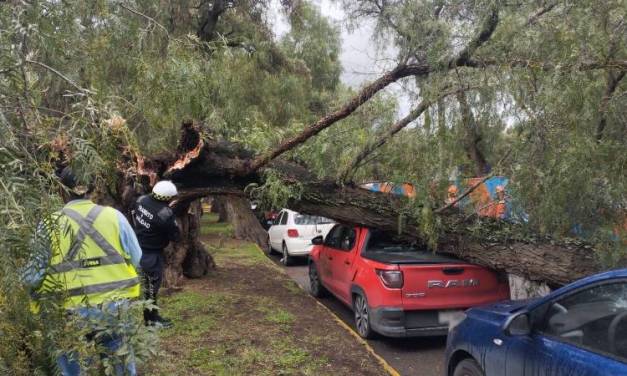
89 256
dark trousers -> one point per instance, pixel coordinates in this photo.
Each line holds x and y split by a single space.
152 264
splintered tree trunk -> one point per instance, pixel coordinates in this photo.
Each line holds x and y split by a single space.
245 225
187 257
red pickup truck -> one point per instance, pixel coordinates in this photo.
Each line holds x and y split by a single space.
395 288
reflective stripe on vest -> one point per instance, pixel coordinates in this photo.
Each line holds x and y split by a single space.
86 228
87 262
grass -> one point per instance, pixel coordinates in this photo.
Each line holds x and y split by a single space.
213 227
248 318
204 334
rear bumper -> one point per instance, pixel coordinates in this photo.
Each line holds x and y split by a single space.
298 246
395 322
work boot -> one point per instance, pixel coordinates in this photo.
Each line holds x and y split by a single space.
152 318
162 322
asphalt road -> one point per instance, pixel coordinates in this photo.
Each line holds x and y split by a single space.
414 356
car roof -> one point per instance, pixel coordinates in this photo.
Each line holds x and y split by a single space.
611 274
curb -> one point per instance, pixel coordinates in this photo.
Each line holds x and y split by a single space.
386 366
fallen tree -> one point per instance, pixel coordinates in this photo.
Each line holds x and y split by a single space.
204 166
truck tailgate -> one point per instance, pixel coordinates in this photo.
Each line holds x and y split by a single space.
449 286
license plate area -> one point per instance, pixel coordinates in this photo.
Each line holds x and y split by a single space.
450 317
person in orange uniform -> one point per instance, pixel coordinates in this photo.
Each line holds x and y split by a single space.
452 195
500 209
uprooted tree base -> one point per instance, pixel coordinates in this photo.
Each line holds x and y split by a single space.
208 167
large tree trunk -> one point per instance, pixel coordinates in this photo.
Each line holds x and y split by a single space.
187 257
219 207
245 225
220 168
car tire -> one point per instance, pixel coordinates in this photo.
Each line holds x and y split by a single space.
315 285
287 260
361 312
468 367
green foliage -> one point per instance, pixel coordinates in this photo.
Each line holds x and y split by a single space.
545 120
275 193
316 41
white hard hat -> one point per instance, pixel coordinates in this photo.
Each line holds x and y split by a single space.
164 190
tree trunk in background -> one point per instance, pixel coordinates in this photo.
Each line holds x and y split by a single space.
472 137
187 257
245 225
219 203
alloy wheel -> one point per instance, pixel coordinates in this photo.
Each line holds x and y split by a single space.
361 316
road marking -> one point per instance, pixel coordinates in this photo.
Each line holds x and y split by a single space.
369 348
386 366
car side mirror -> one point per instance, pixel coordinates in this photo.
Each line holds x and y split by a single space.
318 240
518 325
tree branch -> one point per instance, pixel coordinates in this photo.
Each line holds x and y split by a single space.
612 83
489 25
61 75
146 17
402 70
472 136
620 65
539 13
210 19
389 133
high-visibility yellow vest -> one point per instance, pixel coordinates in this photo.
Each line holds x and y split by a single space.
88 265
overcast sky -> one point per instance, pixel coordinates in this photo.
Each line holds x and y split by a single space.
361 60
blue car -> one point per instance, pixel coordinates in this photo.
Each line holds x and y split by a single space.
578 330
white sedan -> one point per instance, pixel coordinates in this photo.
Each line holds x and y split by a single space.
291 233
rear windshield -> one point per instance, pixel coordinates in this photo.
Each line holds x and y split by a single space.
385 248
380 241
304 219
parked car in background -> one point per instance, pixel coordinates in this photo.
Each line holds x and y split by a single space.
580 329
291 234
396 288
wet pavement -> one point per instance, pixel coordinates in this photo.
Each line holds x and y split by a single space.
409 356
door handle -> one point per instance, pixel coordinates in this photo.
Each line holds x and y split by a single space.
346 262
330 258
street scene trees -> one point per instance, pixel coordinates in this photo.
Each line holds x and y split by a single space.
517 110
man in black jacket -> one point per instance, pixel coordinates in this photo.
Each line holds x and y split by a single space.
155 227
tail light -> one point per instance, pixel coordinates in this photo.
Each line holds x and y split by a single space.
391 278
292 233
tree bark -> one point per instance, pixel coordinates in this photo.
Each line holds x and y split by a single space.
187 257
210 15
220 204
245 225
613 79
544 259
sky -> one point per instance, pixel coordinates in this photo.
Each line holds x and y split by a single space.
362 60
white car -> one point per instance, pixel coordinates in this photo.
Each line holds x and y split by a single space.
291 233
